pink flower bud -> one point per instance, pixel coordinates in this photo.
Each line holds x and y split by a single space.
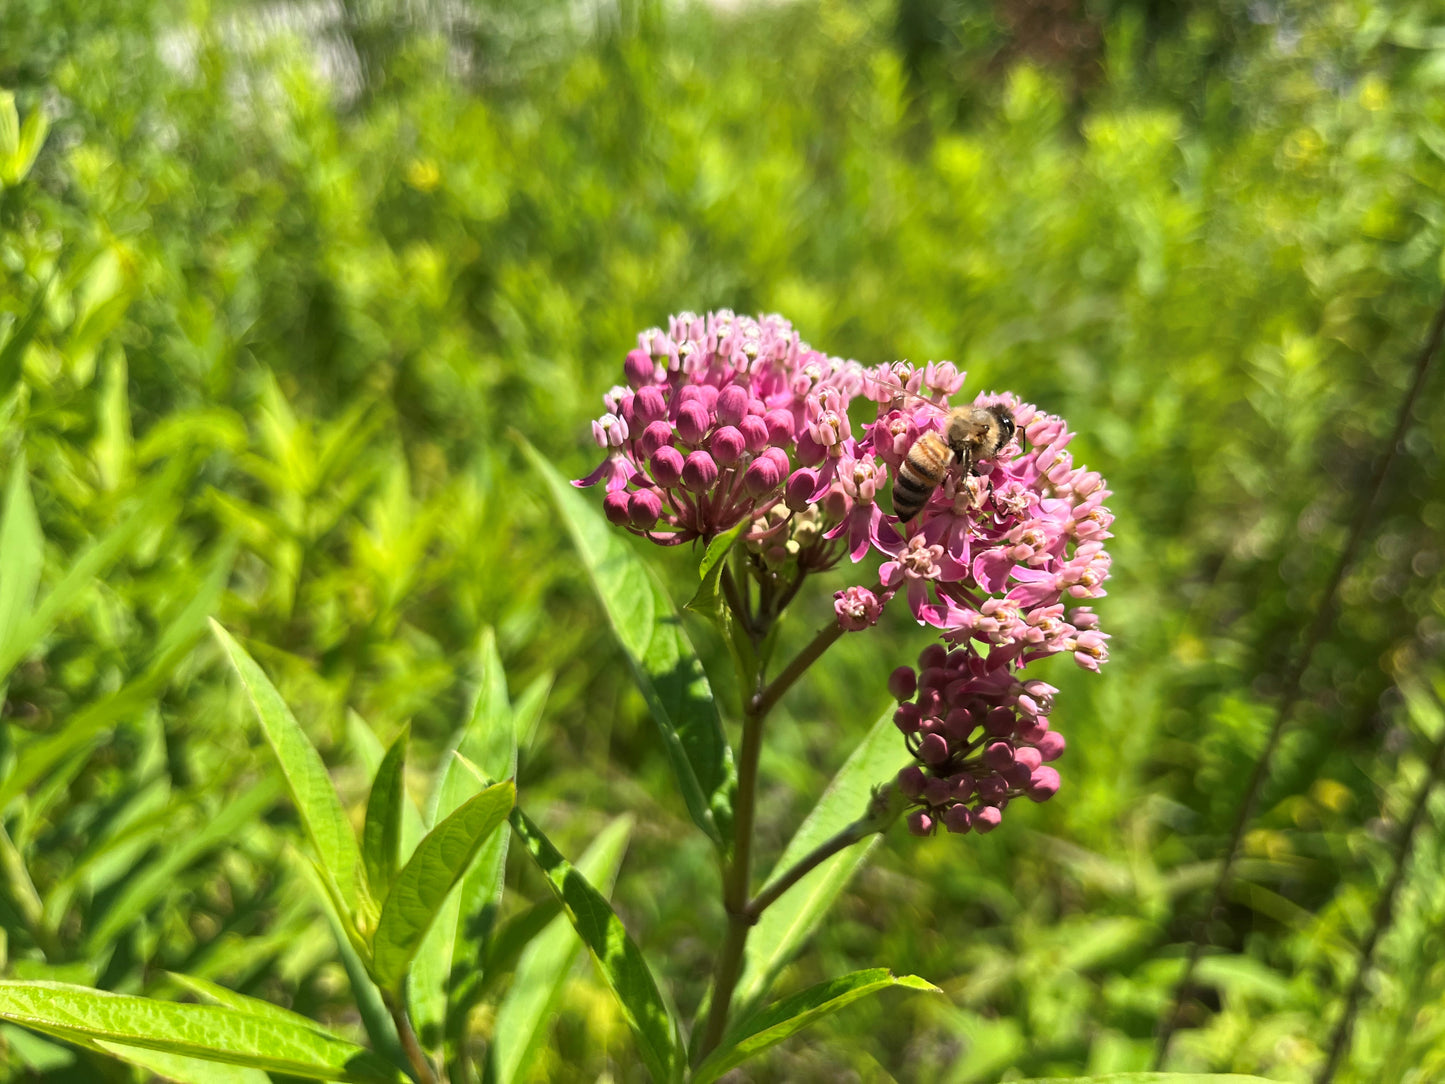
963 786
934 655
615 505
902 683
958 724
801 485
933 749
920 823
755 433
639 368
810 452
693 422
643 508
761 477
986 818
998 755
936 791
699 472
649 405
906 718
911 781
732 405
1043 784
1051 745
667 466
1000 722
727 445
780 426
957 818
1033 729
655 436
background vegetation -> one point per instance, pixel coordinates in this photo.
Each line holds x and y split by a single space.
278 280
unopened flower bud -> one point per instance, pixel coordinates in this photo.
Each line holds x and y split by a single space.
911 781
1051 745
615 507
799 493
902 683
639 368
649 405
958 724
906 718
986 818
643 508
1043 784
732 405
655 436
727 445
957 818
667 466
920 823
699 472
963 786
998 755
936 791
1000 722
934 655
933 749
755 433
762 476
780 426
810 452
693 422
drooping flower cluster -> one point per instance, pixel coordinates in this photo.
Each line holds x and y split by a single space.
981 736
723 420
727 420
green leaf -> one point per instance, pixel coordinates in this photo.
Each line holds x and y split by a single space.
322 815
544 965
179 1068
618 958
381 835
796 1012
663 662
211 1032
9 124
22 558
791 920
709 601
12 354
424 882
439 990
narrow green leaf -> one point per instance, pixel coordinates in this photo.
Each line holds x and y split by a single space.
9 124
179 1068
22 557
424 882
1152 1078
322 815
487 741
32 138
369 752
543 967
381 835
709 601
211 1032
12 353
791 920
662 659
795 1012
618 958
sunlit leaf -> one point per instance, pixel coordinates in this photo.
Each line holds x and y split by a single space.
381 835
618 958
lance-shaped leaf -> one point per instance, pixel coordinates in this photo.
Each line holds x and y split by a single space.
381 835
543 966
261 1040
791 920
424 882
795 1012
322 816
662 659
618 958
22 556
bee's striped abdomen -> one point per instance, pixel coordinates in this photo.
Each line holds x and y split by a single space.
922 470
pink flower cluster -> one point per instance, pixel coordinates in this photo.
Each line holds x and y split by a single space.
727 420
723 418
981 736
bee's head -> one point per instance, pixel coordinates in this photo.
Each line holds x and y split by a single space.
1006 427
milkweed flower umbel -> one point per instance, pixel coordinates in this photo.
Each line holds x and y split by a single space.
722 418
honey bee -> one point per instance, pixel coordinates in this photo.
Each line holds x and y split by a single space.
971 433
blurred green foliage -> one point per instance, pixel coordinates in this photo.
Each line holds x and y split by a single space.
280 279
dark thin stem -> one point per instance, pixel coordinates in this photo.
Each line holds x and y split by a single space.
859 829
783 682
1319 626
421 1067
1384 915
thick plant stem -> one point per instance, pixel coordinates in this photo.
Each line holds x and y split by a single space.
737 881
1384 915
421 1068
1319 626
